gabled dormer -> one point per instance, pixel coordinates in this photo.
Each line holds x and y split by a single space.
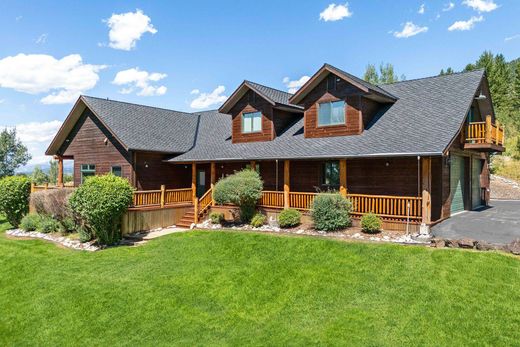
258 112
337 103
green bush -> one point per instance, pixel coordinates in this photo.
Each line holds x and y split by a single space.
69 225
289 218
331 211
30 222
258 220
14 198
242 189
84 234
48 225
216 217
371 223
100 203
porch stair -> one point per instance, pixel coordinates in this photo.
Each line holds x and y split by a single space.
187 219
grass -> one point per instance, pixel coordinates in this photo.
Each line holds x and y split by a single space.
229 288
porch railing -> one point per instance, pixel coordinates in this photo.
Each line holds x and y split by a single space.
388 207
162 197
205 201
38 188
271 199
176 196
485 133
301 201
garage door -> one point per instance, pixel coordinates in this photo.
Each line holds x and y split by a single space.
457 183
476 168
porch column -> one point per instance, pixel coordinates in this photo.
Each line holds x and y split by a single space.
194 192
213 177
286 183
426 183
59 182
488 129
343 177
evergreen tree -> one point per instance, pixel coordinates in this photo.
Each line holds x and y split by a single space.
371 74
516 88
38 176
387 74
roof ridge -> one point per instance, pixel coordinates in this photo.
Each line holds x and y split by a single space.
430 77
135 104
263 85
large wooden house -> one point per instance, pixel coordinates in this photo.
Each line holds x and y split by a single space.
414 152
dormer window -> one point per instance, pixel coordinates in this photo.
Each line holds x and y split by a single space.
331 113
251 122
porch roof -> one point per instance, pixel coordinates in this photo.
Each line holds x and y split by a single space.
424 120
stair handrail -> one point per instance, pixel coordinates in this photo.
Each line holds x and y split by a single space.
205 201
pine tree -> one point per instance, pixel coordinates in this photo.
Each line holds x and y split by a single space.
387 74
371 74
516 88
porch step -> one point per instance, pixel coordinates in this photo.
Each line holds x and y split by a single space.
187 219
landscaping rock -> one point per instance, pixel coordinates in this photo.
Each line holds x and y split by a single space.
452 243
514 247
74 244
438 243
484 246
466 243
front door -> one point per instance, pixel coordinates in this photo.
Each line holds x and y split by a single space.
201 183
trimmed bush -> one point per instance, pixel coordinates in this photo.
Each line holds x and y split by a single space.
14 198
258 220
371 223
289 218
48 225
30 222
216 217
100 203
330 212
243 189
52 202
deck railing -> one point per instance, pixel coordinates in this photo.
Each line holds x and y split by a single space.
147 198
38 188
176 196
205 201
485 133
388 207
301 201
271 199
161 198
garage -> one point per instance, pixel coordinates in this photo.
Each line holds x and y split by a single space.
457 183
476 169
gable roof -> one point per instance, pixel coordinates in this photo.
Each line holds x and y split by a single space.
274 96
379 93
424 120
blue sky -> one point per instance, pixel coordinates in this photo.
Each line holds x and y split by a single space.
189 56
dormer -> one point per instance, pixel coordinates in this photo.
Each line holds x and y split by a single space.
258 112
337 103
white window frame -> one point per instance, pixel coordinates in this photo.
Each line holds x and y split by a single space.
336 123
251 130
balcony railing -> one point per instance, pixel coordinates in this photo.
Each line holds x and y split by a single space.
484 133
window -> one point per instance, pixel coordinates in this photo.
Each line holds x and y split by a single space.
251 122
331 174
116 171
87 170
331 113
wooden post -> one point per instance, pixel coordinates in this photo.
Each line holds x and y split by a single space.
46 186
497 137
253 165
286 183
163 193
32 187
343 177
488 129
426 183
60 172
194 192
213 177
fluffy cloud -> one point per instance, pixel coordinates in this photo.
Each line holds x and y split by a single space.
293 86
127 28
64 78
463 25
335 12
205 100
422 9
409 30
139 79
448 7
481 5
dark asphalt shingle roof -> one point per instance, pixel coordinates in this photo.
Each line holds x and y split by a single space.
275 95
424 120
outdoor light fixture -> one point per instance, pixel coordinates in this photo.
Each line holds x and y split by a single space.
481 96
146 164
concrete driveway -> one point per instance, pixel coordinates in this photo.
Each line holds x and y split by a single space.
499 223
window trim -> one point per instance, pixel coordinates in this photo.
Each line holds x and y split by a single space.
345 104
252 131
120 170
91 168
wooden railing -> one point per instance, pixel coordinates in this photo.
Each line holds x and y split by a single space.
205 201
271 199
176 196
476 132
388 207
162 197
147 198
301 201
485 133
38 188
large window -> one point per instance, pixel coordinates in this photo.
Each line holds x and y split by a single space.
87 170
251 122
331 174
331 113
117 171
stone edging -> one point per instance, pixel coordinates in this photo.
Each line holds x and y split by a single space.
64 241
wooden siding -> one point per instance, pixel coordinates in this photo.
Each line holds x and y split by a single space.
90 142
283 119
152 172
252 102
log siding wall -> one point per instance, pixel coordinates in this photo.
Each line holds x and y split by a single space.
252 102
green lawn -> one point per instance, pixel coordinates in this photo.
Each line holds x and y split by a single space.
228 288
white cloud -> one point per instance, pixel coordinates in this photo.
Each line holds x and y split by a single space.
127 28
514 37
139 79
463 25
205 100
422 9
448 7
481 5
409 30
293 86
64 78
195 92
335 12
42 39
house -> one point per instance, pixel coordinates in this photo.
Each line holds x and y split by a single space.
415 152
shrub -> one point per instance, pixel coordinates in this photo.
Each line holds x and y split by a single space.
242 189
216 217
48 225
69 225
258 220
100 203
30 222
84 234
330 212
52 202
14 198
371 223
289 218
